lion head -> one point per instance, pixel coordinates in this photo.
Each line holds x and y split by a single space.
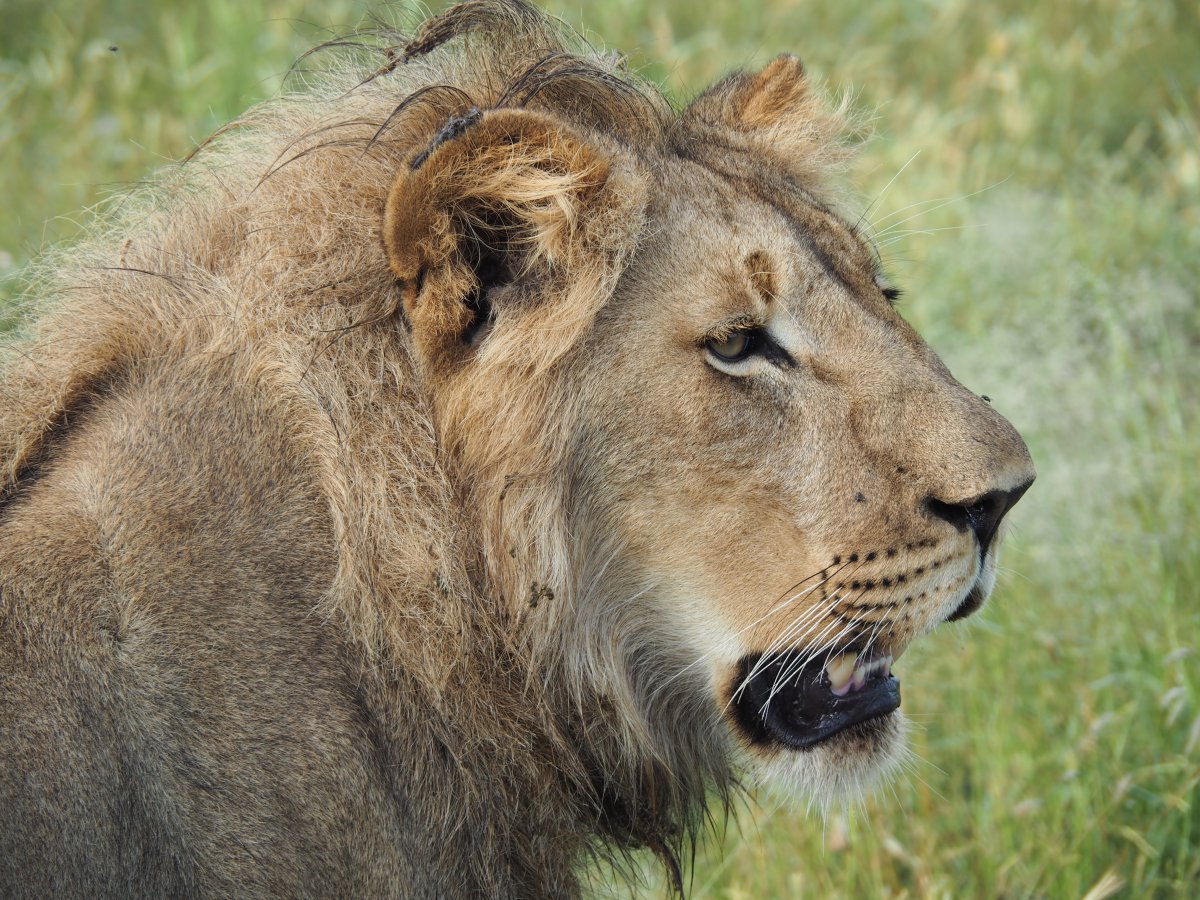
714 468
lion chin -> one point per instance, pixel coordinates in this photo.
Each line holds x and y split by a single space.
465 466
838 771
825 730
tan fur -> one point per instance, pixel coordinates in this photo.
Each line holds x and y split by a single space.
374 522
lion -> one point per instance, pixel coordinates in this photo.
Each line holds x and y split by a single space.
466 467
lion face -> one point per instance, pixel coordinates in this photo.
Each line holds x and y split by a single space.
796 468
682 374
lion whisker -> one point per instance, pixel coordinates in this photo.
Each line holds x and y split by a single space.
940 201
789 634
778 607
807 617
792 630
770 653
883 193
821 609
802 622
785 635
797 665
894 236
827 647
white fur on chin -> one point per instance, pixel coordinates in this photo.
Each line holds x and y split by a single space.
836 772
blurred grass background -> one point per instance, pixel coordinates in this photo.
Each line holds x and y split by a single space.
1045 223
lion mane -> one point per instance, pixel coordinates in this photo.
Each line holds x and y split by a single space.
298 593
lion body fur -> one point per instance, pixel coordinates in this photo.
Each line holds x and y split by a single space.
291 606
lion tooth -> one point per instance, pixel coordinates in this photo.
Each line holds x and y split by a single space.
839 670
848 672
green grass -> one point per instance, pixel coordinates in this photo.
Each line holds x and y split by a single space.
1058 735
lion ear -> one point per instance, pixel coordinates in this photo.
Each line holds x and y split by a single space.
766 99
494 221
772 113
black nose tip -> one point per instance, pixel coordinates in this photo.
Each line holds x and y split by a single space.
981 514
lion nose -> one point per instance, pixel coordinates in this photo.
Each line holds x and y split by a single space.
981 514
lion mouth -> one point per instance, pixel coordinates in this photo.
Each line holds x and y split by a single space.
800 703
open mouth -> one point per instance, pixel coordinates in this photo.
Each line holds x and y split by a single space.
800 703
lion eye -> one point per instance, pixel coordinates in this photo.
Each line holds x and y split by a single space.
733 348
